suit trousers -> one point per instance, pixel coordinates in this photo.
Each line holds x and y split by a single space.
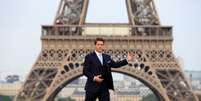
102 95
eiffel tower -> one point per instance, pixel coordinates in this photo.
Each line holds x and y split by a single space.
69 39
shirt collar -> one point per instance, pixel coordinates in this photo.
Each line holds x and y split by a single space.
97 53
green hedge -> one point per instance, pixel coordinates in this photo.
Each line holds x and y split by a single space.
150 97
199 96
5 98
65 99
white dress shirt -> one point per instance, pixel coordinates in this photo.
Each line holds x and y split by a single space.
100 57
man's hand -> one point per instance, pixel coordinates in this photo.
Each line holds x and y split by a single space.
98 79
130 56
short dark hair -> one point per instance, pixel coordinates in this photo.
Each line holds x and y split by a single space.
99 39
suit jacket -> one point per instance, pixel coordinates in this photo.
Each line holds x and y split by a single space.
93 67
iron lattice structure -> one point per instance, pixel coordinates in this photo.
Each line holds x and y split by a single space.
69 39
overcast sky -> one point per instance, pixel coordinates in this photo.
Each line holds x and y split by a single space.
21 20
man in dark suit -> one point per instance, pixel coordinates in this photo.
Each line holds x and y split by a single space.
97 69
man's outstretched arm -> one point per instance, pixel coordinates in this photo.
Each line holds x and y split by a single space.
118 64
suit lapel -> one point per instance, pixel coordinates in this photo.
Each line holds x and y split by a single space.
104 59
96 58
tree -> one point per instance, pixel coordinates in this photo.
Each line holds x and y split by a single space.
12 78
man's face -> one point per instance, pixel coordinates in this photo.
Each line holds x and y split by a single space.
99 46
